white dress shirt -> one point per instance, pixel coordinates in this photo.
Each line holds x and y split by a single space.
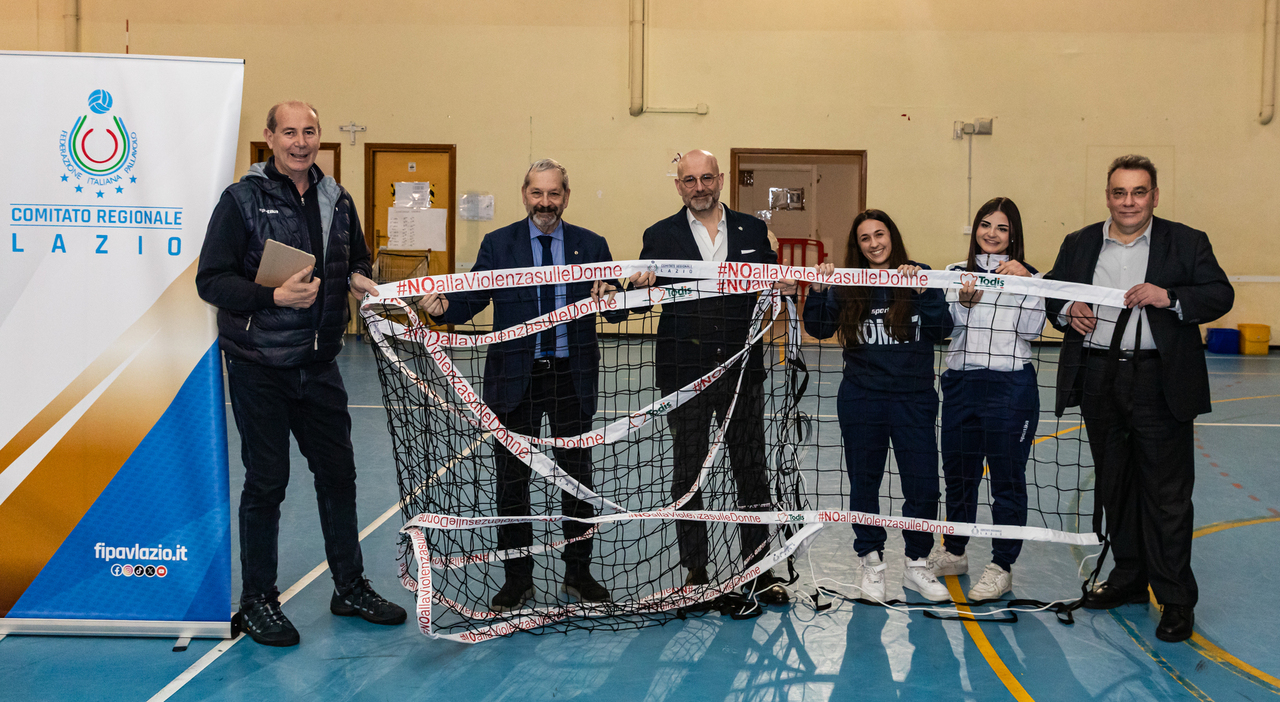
718 250
1120 266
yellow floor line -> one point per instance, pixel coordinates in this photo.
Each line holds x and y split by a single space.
1055 435
984 646
1208 648
1232 524
1237 399
1215 653
1159 660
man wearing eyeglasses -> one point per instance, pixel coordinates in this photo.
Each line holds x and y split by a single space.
1139 377
554 373
696 337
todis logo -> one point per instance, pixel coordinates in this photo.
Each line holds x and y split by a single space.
98 152
981 281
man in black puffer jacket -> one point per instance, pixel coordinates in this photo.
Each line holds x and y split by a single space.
280 344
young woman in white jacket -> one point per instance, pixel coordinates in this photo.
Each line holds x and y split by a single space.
991 402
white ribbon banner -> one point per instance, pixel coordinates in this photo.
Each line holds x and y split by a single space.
730 271
813 516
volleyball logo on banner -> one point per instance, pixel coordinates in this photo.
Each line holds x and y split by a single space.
98 149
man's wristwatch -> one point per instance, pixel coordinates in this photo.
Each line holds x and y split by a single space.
1173 298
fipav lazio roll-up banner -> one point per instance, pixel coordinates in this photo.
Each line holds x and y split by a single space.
114 500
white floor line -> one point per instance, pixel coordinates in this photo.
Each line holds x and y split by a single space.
228 404
1239 373
187 675
1231 424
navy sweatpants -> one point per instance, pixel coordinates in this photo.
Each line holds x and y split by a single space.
989 415
869 422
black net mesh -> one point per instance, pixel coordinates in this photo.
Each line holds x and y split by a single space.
784 451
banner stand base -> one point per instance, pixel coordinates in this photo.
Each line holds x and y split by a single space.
116 627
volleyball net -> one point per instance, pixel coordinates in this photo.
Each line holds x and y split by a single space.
659 478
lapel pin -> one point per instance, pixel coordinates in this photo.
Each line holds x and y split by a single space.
575 253
739 228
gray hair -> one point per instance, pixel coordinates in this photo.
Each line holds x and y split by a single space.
547 164
1133 162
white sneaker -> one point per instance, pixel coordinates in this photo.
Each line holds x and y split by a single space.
872 584
995 581
943 562
918 577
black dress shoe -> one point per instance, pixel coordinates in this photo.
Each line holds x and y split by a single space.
697 576
514 593
1176 623
767 589
1108 596
585 588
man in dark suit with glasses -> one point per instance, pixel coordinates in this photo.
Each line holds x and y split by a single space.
695 337
1138 374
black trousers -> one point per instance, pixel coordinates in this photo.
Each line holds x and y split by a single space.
550 393
689 425
1144 461
311 403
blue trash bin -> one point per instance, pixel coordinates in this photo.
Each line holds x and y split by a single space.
1223 340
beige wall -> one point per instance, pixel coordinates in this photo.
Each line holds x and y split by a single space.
1069 84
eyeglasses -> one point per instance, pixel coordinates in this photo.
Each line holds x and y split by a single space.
1121 193
707 179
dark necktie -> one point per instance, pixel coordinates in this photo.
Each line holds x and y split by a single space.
547 300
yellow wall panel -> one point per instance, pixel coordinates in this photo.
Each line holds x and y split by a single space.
508 82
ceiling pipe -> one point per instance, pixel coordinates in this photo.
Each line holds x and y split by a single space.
1268 64
637 57
71 24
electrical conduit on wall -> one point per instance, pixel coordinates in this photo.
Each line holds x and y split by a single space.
1268 109
637 73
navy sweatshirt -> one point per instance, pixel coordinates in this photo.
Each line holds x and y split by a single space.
879 362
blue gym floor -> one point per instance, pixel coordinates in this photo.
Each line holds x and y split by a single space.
850 651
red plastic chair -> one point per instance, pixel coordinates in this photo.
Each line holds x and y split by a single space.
802 253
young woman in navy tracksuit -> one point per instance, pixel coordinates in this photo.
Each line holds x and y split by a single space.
991 404
887 394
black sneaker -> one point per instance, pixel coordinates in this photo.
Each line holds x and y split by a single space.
265 623
513 595
585 588
363 602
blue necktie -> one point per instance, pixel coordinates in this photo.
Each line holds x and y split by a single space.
547 301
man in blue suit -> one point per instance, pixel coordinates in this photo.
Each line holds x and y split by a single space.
552 373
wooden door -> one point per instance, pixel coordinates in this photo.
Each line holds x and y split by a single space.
388 164
785 224
837 192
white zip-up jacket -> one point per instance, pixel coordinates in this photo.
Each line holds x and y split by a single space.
996 333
